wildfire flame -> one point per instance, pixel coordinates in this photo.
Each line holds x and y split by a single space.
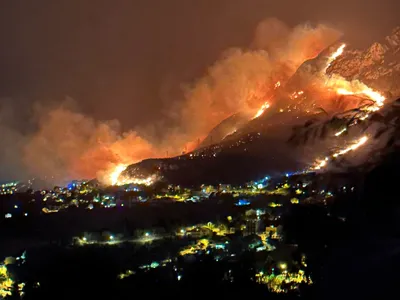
261 110
322 163
266 104
115 174
368 92
115 177
344 87
134 180
230 133
355 146
334 56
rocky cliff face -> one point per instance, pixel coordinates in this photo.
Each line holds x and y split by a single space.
378 66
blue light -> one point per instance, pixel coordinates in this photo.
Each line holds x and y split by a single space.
242 202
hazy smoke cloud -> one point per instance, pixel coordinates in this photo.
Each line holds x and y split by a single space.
68 144
242 80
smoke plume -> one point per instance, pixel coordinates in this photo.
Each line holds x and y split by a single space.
71 145
244 79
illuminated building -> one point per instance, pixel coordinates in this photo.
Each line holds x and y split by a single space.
253 222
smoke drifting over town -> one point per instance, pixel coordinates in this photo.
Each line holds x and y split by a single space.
64 144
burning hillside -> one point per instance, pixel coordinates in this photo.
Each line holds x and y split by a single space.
245 96
248 148
69 144
377 67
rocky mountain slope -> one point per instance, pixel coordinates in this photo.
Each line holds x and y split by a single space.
378 66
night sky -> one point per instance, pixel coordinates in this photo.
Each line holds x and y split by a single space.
127 59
